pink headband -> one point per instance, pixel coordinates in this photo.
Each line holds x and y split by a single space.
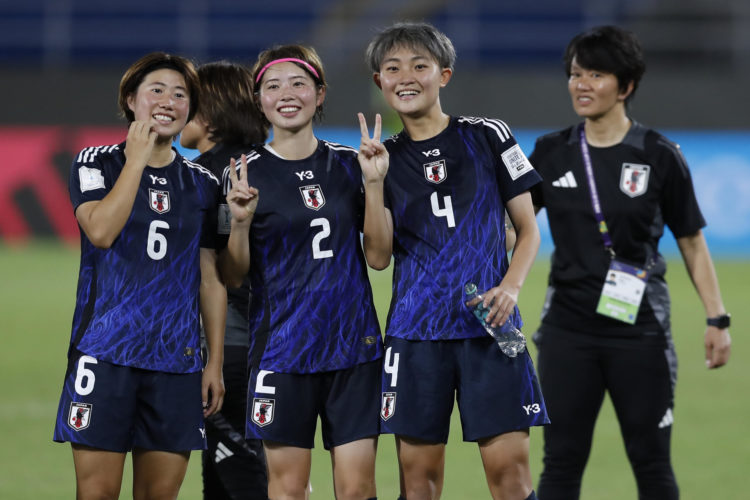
288 59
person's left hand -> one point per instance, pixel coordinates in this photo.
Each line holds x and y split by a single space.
718 346
500 301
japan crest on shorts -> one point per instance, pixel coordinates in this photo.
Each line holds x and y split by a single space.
435 171
79 416
263 411
388 405
634 179
159 201
313 196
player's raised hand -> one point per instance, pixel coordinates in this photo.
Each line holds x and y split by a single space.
373 157
139 143
242 198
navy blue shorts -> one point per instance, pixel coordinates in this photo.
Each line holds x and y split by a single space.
118 408
422 379
284 407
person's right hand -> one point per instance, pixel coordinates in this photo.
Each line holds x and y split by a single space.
242 198
139 144
373 157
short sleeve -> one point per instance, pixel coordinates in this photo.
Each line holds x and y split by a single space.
678 202
89 180
515 173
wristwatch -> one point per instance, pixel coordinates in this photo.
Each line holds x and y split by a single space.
721 321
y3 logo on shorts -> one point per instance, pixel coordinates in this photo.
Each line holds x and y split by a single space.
532 408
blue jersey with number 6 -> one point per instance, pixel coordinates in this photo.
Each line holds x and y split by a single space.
137 301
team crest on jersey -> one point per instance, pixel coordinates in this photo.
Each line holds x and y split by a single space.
159 201
387 405
435 171
634 179
79 416
263 411
313 196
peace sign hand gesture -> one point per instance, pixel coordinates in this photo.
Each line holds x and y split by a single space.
373 157
242 199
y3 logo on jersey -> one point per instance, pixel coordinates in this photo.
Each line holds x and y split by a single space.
305 174
158 180
432 152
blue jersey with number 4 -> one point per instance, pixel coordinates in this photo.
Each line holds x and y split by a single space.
447 196
137 301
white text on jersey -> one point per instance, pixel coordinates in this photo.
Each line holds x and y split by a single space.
157 180
305 174
432 152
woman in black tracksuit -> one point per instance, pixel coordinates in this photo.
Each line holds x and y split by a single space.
605 323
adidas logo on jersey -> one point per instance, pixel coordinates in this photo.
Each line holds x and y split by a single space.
667 419
566 181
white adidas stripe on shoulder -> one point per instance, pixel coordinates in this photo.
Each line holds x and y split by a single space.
499 126
88 154
200 168
250 156
338 147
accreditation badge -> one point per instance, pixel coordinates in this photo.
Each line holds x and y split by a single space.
622 292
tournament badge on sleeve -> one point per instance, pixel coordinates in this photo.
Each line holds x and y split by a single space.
622 292
263 411
79 416
388 405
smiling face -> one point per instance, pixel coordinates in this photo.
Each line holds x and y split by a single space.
411 81
162 100
595 94
289 96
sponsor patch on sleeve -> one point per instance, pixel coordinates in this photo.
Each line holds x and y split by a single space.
516 162
90 179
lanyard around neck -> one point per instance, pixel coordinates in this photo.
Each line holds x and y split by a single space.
593 192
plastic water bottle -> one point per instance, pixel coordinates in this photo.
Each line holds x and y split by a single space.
509 338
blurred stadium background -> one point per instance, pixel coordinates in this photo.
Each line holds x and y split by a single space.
60 66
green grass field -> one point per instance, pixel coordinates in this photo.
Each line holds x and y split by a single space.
711 443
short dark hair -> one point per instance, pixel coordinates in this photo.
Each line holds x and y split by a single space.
415 36
301 52
149 63
609 49
227 105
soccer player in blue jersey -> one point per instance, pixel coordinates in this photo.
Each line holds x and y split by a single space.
148 267
297 210
449 180
226 125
